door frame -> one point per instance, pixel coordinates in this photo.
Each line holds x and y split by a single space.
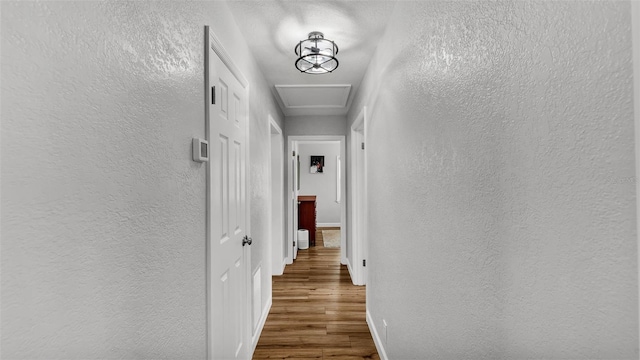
358 214
278 259
292 193
292 142
212 43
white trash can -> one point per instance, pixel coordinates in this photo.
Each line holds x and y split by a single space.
303 239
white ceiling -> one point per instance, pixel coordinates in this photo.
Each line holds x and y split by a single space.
273 28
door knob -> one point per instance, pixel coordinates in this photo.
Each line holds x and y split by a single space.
246 240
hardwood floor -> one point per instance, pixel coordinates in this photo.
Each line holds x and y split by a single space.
317 313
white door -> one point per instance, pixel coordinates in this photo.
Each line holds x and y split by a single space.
227 204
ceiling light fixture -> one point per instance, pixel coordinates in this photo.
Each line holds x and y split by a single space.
316 55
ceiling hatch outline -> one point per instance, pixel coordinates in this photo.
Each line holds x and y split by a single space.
320 96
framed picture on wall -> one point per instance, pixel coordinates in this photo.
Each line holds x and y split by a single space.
317 164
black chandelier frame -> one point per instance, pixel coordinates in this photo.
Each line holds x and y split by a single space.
316 67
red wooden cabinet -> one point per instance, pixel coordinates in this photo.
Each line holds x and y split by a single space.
307 216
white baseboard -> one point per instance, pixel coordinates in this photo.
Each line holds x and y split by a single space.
376 338
319 225
263 320
280 270
351 273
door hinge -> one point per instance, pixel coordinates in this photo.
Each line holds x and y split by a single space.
364 262
294 153
294 243
362 146
213 95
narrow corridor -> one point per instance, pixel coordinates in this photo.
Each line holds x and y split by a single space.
317 313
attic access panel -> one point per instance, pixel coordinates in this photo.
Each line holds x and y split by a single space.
314 96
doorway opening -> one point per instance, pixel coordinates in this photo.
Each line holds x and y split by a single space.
316 168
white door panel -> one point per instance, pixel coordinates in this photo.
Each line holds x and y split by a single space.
228 257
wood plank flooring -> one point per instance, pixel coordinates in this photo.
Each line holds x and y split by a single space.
317 313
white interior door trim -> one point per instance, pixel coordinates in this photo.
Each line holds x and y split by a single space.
291 145
276 246
214 44
292 191
358 214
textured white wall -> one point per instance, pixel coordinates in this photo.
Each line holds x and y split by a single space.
103 227
502 194
315 125
635 19
323 185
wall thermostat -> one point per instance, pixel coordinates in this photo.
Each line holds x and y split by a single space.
200 150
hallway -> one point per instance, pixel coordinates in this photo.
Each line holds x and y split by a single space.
493 148
317 313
